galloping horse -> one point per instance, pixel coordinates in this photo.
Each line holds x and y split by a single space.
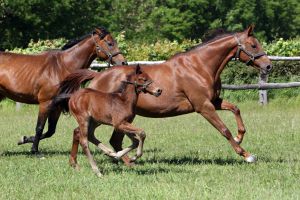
191 83
34 79
91 108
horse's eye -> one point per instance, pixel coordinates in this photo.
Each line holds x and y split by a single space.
253 46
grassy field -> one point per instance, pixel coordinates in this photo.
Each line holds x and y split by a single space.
185 158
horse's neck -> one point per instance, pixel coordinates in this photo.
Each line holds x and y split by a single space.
129 95
220 52
79 56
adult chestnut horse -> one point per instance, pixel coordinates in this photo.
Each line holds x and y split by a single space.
34 79
191 83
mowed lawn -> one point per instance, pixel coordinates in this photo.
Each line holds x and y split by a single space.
184 158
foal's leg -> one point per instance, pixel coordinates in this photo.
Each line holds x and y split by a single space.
74 151
116 142
137 137
83 140
91 137
208 111
221 104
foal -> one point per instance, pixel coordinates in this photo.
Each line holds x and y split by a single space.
92 108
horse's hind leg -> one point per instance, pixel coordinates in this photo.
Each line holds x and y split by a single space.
208 111
221 104
74 151
83 140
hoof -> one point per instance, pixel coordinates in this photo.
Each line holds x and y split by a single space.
40 155
22 140
133 159
99 175
250 159
238 141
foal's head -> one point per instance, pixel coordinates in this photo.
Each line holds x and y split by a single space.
107 48
251 52
143 83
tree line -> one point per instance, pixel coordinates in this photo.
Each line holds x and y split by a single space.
144 20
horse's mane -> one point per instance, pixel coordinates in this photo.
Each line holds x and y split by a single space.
75 41
208 37
211 36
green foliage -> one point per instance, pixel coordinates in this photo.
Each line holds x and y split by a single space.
284 47
144 20
41 45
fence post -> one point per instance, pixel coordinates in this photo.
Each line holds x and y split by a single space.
263 96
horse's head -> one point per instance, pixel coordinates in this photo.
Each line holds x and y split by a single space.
250 51
107 48
143 82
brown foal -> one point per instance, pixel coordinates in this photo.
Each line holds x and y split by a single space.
191 83
92 108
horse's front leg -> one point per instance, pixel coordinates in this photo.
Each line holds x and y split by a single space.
137 137
116 141
208 111
221 104
53 117
42 117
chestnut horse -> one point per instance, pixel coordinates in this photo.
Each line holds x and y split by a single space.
191 83
34 79
91 108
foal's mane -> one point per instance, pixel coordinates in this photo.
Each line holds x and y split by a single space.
124 85
75 41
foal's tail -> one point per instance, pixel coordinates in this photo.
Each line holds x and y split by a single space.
70 85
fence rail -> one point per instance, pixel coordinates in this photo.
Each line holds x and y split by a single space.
263 86
95 65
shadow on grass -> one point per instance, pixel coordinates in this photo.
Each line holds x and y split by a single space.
186 160
28 153
278 160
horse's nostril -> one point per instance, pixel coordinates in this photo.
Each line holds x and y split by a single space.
159 91
269 67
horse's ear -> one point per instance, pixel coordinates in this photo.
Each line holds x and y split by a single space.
138 69
250 29
97 31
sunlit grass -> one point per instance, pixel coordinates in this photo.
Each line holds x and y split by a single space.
185 158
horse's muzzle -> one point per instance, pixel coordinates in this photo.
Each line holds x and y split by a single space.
266 70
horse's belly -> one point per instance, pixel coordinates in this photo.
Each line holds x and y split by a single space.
156 107
19 97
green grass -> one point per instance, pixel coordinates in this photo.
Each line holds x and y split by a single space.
184 158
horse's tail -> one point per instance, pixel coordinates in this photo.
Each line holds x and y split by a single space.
70 85
60 101
73 81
